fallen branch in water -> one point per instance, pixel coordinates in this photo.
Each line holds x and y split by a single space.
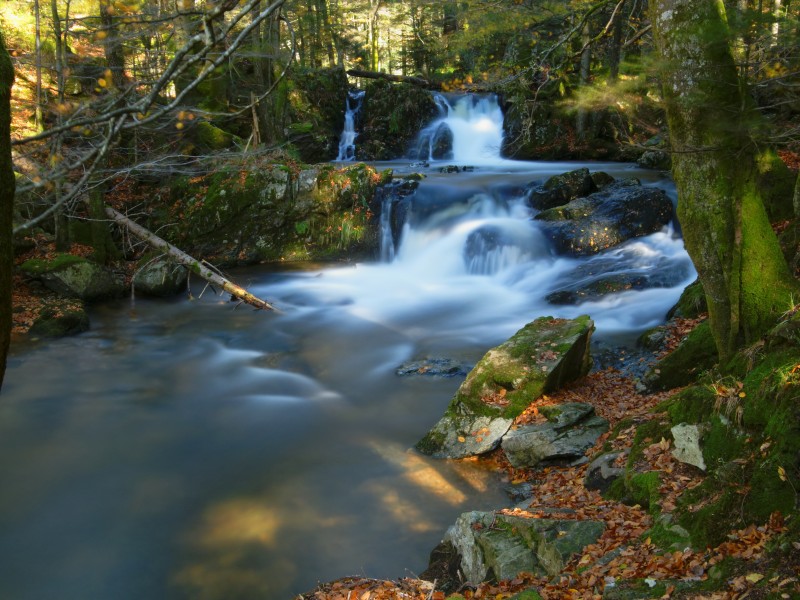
194 265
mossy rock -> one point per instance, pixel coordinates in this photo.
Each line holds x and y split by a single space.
251 213
211 137
393 115
692 302
539 358
75 277
59 319
695 354
158 276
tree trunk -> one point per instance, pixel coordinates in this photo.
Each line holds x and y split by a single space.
192 264
726 229
585 72
418 81
7 185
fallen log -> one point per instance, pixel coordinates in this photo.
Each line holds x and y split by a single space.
194 265
418 81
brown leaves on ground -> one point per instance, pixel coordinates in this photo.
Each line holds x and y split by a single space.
624 551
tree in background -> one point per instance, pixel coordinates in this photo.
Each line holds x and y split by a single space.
7 185
716 170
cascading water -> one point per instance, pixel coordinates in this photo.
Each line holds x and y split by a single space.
469 129
347 141
201 451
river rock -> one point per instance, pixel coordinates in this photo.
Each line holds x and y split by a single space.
601 472
75 277
433 367
571 429
60 317
560 189
539 358
159 277
687 445
495 546
622 211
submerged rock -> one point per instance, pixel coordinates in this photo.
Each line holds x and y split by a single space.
621 211
495 546
539 358
433 367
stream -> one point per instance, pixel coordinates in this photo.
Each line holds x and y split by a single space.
193 449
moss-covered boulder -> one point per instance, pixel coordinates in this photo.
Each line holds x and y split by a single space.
251 213
694 355
75 277
393 115
158 276
59 318
313 104
539 358
495 546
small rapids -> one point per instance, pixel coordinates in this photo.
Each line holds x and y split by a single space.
198 450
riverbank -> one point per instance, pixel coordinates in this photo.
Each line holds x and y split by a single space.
645 551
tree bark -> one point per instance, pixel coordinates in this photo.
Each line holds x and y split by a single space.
192 264
7 186
711 121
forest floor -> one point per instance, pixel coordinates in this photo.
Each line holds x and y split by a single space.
625 552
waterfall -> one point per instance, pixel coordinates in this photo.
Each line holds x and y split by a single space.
347 141
468 129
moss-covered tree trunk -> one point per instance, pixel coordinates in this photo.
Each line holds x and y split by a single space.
7 185
715 166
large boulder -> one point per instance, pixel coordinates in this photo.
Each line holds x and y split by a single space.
560 189
496 546
158 276
571 429
75 277
393 115
539 358
622 211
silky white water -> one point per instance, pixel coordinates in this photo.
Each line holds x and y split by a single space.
195 449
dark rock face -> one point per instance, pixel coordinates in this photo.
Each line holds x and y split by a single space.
560 189
393 115
622 211
159 277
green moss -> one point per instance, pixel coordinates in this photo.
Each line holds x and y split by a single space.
523 367
695 354
692 302
212 137
643 489
36 266
692 405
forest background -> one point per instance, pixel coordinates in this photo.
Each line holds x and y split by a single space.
117 88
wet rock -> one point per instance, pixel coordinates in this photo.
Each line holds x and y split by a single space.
433 367
687 445
622 211
442 143
572 428
601 472
494 546
655 159
560 189
75 277
159 277
538 359
60 318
